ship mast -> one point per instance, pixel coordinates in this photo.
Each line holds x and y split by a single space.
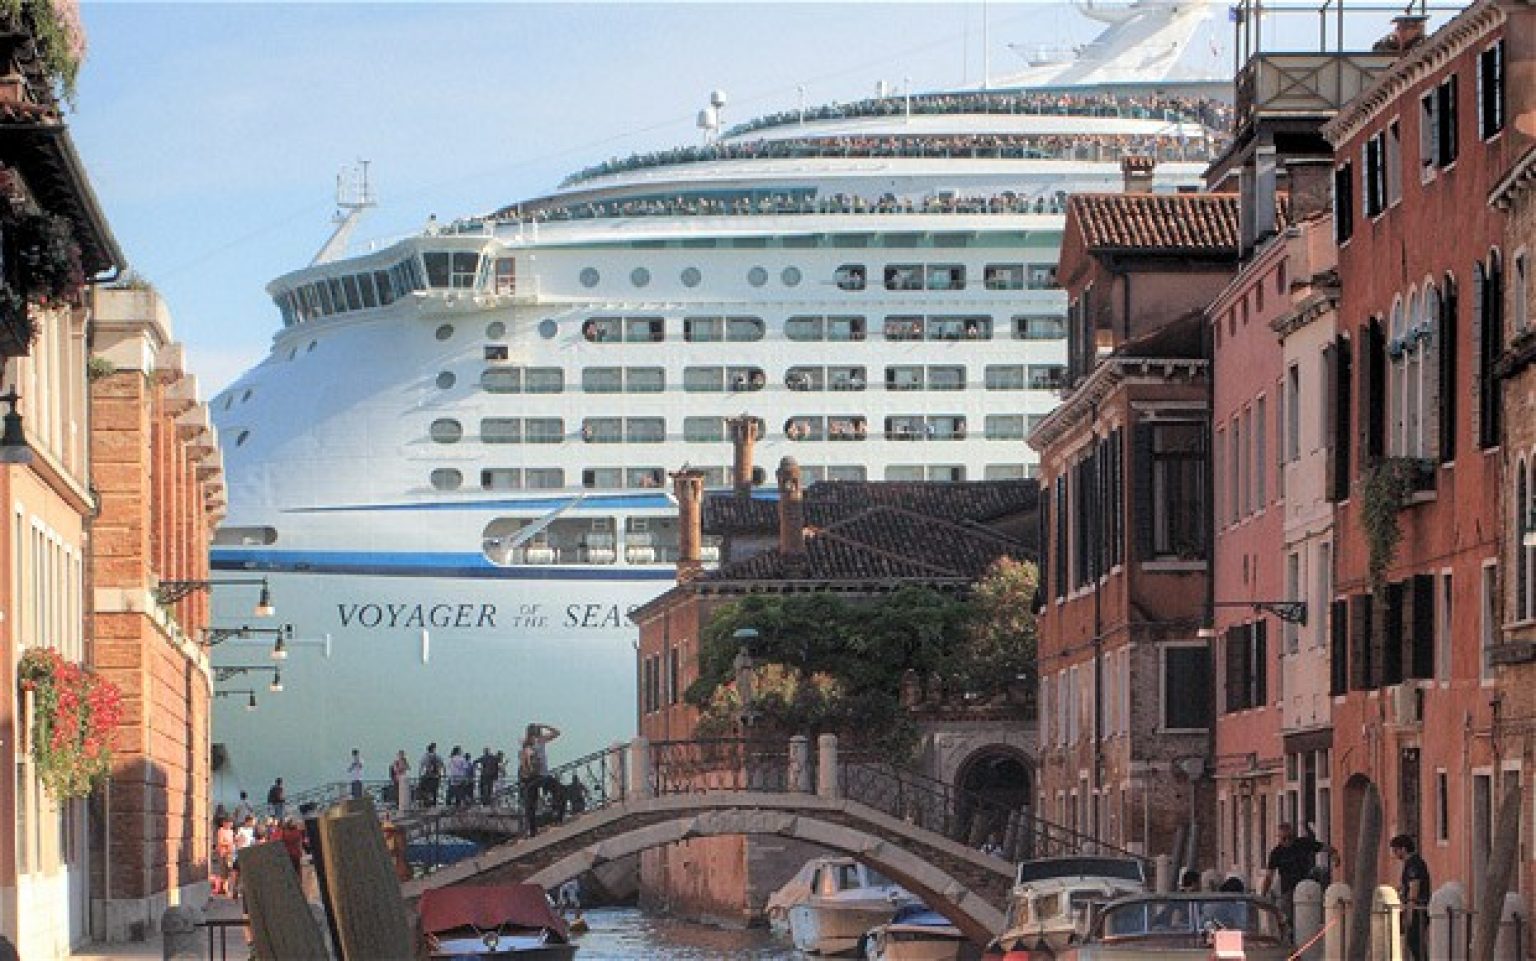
353 196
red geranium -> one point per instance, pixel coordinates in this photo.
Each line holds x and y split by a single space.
74 714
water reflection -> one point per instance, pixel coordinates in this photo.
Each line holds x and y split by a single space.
625 934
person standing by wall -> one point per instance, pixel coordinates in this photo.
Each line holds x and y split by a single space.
1414 892
533 769
1288 864
400 774
355 774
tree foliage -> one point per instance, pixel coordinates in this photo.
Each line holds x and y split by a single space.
826 662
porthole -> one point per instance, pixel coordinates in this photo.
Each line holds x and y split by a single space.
790 276
447 431
495 330
590 276
446 380
444 332
548 329
757 276
640 277
242 437
691 277
447 479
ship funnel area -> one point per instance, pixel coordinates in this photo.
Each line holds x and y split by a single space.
354 195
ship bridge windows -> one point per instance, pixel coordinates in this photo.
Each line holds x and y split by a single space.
244 536
817 328
1038 327
456 269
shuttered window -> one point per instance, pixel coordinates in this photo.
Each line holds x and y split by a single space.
1340 428
1447 338
1360 642
1338 662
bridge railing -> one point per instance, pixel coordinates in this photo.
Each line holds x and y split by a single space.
720 764
969 818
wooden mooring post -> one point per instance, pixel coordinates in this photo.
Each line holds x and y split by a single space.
281 925
370 913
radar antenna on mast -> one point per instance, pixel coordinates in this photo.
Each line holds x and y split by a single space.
354 195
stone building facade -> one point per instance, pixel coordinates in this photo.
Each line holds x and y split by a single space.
1423 271
1125 694
159 477
48 212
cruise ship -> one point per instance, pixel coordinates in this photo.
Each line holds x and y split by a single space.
451 469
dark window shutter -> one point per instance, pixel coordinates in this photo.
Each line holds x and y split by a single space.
1260 631
1338 673
1448 123
1422 660
1387 653
1343 438
1043 542
1141 468
1373 393
1449 335
1062 520
1236 653
1359 642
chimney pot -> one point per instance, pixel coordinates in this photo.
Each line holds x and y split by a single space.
791 513
688 486
745 432
1137 171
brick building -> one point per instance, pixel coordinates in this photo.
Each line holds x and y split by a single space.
159 477
48 213
852 538
1515 653
1125 680
1422 271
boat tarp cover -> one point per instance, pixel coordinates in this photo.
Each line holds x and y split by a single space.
488 908
1127 869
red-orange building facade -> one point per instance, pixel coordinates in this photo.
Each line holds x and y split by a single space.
1421 270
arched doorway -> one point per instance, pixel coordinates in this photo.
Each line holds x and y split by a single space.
997 778
1354 794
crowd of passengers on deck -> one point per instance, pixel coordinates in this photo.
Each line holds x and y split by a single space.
1072 146
1004 203
1212 113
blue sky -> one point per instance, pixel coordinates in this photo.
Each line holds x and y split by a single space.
213 132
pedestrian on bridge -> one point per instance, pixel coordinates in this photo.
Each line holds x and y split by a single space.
533 770
431 773
355 774
488 767
277 798
400 774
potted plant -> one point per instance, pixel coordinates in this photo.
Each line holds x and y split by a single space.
70 714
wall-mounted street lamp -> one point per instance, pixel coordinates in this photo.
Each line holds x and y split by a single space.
13 441
169 592
1291 612
250 704
214 636
225 673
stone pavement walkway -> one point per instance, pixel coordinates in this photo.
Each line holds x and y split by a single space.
216 909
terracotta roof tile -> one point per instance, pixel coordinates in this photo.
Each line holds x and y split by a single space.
882 543
1205 223
828 502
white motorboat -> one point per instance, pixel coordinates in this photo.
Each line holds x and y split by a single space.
1054 899
916 932
833 902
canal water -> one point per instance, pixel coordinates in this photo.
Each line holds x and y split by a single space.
627 934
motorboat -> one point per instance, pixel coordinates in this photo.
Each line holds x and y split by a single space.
916 932
1054 899
513 921
832 902
1171 927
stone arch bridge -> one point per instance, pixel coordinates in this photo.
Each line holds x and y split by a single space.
922 834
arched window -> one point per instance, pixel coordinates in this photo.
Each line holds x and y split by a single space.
1427 330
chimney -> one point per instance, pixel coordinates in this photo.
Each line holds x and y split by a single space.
1138 173
791 513
744 434
688 485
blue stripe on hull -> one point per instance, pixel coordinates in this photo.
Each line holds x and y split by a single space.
419 565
